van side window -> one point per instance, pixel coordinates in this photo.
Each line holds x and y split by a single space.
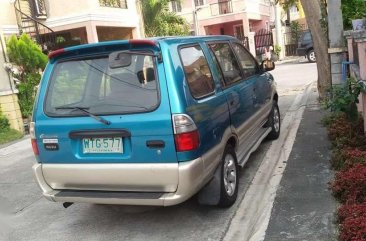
197 72
218 68
247 63
227 61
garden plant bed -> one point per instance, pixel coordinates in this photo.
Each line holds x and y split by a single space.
9 135
349 185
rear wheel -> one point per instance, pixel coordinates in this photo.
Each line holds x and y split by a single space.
229 178
311 56
274 121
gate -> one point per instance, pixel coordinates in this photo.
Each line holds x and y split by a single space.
263 39
291 41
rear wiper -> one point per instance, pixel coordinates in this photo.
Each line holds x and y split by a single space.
84 109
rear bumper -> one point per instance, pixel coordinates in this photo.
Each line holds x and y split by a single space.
190 180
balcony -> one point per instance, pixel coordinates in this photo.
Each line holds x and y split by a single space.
220 8
113 3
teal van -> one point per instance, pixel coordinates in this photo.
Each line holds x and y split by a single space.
151 122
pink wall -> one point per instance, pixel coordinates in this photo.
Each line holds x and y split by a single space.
228 28
257 25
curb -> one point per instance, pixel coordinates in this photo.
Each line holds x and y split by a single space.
251 220
286 61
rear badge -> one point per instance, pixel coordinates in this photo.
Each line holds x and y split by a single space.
50 144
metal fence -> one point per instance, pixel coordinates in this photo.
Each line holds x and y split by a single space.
291 39
113 3
263 39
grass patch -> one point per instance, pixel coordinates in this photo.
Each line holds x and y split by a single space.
9 135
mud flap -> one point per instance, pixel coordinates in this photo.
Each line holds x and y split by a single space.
210 194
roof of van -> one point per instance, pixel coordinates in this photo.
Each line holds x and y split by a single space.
110 45
168 39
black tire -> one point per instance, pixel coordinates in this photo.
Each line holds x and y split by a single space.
274 121
311 56
229 170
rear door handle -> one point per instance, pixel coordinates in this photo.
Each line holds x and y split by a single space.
155 144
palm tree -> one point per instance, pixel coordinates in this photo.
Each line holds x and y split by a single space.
159 21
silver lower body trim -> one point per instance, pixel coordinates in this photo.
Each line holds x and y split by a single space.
191 178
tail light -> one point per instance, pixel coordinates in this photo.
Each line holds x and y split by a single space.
32 133
186 135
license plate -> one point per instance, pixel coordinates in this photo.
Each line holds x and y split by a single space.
103 145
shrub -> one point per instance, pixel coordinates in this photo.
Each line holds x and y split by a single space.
4 123
30 61
352 220
349 186
344 98
344 133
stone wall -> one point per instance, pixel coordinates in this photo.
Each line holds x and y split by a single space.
356 41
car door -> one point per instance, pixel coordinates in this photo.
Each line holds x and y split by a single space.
251 72
238 91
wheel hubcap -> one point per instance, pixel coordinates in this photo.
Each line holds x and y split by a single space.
276 120
229 175
312 56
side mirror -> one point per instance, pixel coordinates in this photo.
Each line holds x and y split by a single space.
267 65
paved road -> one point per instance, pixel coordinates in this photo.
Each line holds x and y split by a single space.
25 215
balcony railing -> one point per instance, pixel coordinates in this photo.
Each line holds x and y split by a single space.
113 3
222 7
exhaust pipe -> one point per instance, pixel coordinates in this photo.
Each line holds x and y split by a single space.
67 204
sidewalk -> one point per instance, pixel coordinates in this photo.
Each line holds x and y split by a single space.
304 209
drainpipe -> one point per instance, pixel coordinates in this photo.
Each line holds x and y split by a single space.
12 88
195 19
278 25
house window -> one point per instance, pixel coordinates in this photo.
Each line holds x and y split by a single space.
113 3
239 31
198 2
225 7
176 6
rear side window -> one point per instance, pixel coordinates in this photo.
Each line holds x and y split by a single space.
197 72
227 61
91 84
307 36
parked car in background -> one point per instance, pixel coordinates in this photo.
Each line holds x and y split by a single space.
151 122
305 47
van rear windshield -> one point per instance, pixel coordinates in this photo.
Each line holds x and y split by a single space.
92 85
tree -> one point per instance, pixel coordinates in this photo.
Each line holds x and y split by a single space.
159 21
315 19
312 9
29 60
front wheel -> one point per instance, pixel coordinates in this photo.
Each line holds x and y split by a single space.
229 178
311 56
274 121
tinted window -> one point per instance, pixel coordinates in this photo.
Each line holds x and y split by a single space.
90 83
219 72
197 72
247 63
227 61
307 36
